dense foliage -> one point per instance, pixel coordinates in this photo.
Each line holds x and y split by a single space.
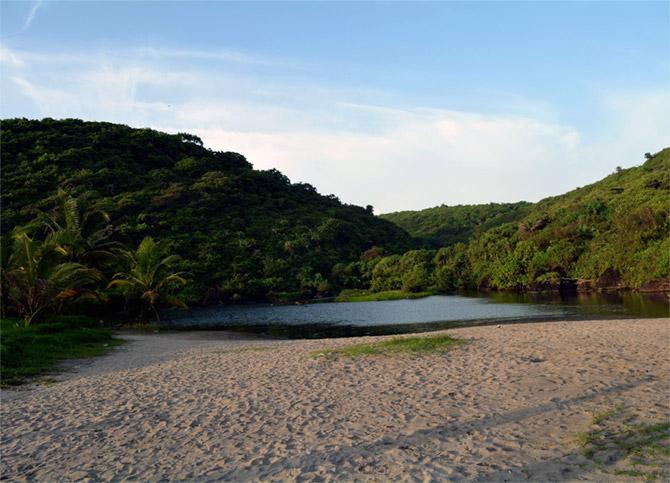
611 234
82 203
243 234
617 226
443 226
149 276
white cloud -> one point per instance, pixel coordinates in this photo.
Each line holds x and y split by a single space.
31 14
216 55
46 99
644 116
393 158
424 159
9 59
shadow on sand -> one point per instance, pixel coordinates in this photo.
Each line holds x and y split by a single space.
368 451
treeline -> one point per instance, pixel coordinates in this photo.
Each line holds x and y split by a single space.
611 234
65 259
443 226
101 218
242 234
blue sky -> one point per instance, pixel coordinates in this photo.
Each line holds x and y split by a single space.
400 105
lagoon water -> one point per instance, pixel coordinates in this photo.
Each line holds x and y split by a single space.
346 319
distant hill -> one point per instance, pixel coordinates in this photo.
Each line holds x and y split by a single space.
447 225
613 233
250 234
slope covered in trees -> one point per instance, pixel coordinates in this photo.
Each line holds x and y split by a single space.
243 234
615 231
611 234
134 218
442 226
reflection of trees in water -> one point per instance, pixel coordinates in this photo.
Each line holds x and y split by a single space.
631 303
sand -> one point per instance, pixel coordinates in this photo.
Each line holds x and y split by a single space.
218 406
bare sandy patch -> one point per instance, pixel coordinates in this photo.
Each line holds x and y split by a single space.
508 405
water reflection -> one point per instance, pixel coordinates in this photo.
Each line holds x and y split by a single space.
431 313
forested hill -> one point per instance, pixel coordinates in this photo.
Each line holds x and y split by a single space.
447 225
251 234
619 225
612 234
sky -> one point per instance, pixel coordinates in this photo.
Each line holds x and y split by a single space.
398 105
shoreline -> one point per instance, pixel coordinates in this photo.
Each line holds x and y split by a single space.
219 406
664 291
323 331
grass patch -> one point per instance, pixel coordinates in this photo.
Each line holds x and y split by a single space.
604 415
411 345
30 351
367 296
635 450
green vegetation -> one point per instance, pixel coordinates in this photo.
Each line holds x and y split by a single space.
242 234
611 234
615 230
149 274
355 295
38 278
33 350
83 202
618 446
444 226
42 275
396 345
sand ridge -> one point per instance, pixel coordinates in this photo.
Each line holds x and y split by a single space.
505 406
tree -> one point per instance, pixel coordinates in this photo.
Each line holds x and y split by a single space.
149 275
84 233
36 279
453 269
386 274
6 246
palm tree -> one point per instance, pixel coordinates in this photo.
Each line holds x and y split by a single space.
150 276
37 280
6 245
83 232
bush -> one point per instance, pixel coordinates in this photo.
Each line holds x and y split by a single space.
72 321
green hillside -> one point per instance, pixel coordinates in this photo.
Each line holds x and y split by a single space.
447 225
93 214
611 234
243 233
619 225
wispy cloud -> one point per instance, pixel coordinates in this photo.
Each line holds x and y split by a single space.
393 157
31 15
215 55
9 58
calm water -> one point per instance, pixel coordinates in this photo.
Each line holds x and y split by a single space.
345 319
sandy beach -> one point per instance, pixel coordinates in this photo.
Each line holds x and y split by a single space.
203 406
